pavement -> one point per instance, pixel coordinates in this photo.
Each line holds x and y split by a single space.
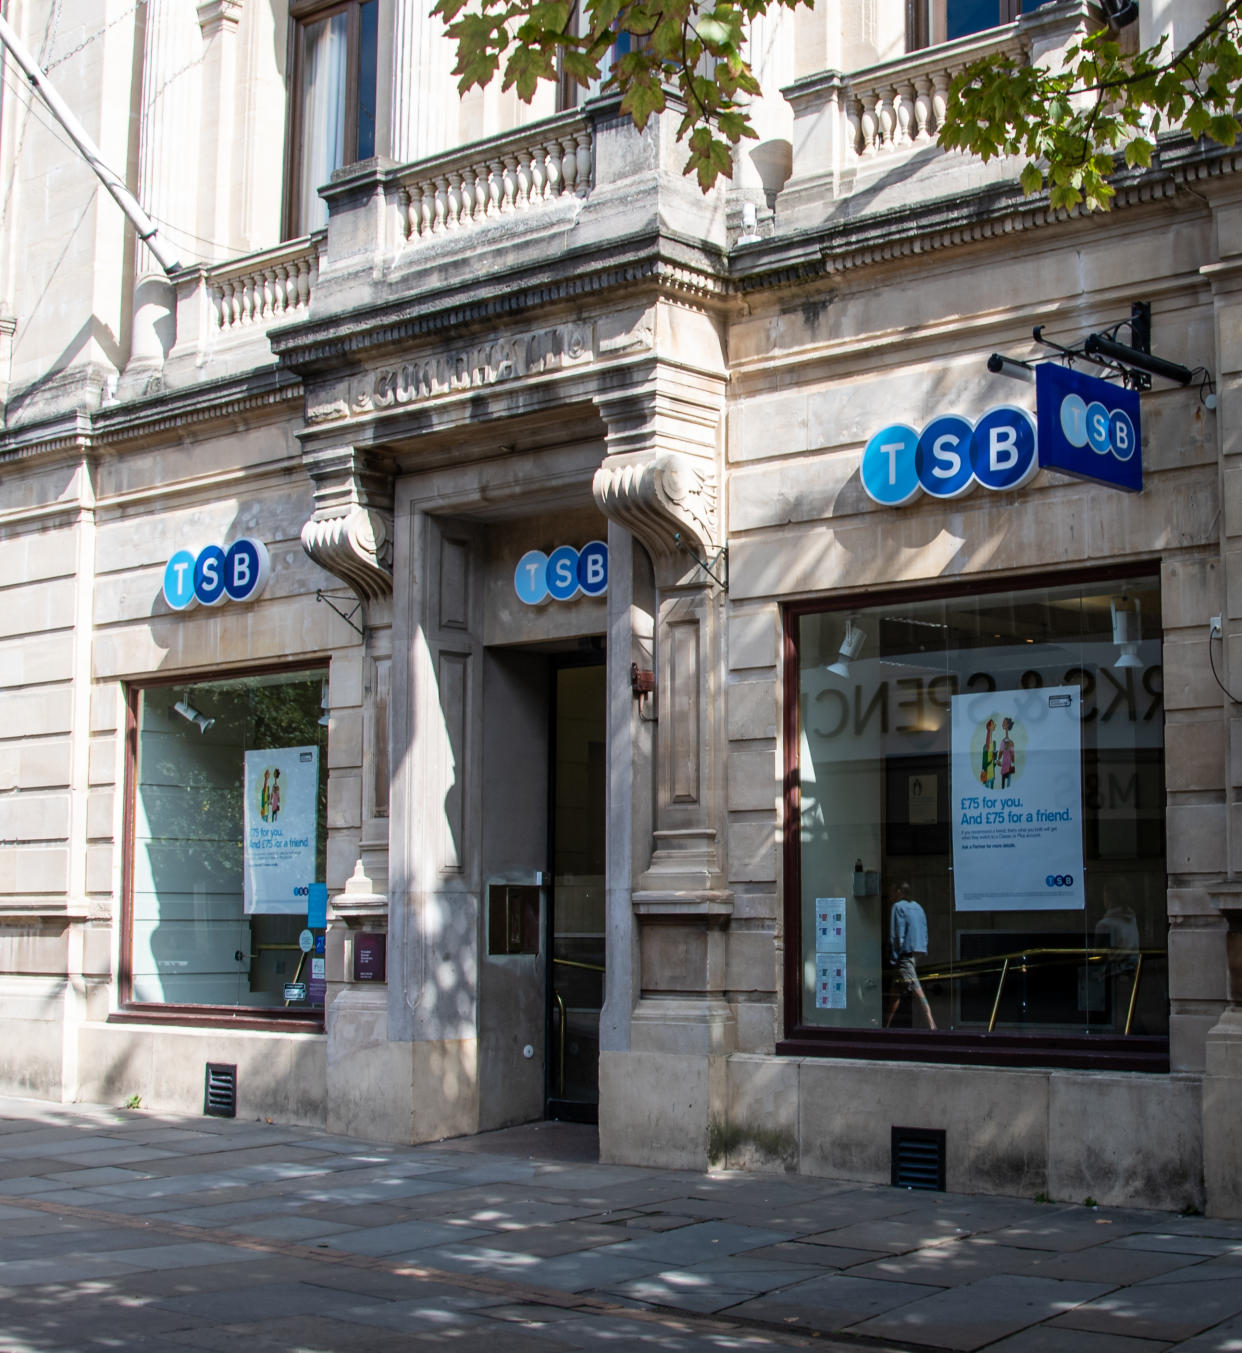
142 1231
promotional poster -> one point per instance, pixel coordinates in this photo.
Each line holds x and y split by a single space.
282 787
1017 800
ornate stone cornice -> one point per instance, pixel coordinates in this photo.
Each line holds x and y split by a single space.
350 533
670 266
926 227
151 417
660 496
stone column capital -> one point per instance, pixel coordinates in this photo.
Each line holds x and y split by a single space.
213 15
660 478
350 532
666 499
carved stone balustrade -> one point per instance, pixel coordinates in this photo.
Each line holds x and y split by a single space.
528 169
900 105
851 129
262 289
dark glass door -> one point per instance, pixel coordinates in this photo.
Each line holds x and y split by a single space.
576 910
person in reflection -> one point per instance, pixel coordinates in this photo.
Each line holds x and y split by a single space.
907 940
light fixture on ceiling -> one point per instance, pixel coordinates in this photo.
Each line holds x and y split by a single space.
1127 630
191 715
851 646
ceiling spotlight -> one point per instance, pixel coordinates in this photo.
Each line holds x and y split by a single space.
1000 365
191 715
851 647
1127 630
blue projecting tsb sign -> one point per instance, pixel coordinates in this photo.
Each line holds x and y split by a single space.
1089 428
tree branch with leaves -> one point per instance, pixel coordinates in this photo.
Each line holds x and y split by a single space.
1068 123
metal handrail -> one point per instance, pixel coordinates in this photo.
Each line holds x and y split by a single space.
560 1004
1023 959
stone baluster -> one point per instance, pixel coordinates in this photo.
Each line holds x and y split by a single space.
521 197
851 111
922 109
440 206
404 199
482 192
940 81
551 153
885 122
868 126
305 267
495 186
585 164
538 176
509 190
453 207
568 148
903 108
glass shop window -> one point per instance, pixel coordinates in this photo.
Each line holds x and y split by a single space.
980 821
334 88
933 21
228 830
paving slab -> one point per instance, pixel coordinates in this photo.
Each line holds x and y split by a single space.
167 1234
834 1301
981 1312
1159 1311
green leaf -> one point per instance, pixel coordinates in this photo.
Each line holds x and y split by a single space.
1032 179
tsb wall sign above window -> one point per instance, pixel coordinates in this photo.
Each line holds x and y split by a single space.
1084 427
562 574
217 574
949 456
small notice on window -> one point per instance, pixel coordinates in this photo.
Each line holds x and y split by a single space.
830 981
921 800
830 925
279 820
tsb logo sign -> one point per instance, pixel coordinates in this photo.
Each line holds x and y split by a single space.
950 456
562 574
1089 428
215 574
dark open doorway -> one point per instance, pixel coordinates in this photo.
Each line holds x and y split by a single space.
577 820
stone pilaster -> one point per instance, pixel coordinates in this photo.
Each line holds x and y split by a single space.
168 166
423 113
350 533
660 481
217 220
1222 1080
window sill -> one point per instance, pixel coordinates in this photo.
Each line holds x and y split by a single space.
221 1017
1056 1052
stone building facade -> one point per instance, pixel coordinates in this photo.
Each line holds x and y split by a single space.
604 596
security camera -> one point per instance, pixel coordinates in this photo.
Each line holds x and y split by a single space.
1121 13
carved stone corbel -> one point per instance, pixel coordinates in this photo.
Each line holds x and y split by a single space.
350 533
659 496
